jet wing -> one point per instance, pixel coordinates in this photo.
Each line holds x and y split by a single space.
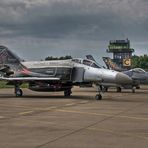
29 79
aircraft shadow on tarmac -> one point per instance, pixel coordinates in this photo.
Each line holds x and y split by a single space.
74 97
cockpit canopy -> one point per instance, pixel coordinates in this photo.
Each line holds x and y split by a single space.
87 62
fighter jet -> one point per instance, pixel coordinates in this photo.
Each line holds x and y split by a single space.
138 75
55 75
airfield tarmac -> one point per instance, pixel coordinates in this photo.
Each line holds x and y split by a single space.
48 120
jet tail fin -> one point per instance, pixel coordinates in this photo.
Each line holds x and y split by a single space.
7 57
9 61
110 64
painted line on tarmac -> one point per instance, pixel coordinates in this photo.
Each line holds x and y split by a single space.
40 109
3 105
30 108
132 117
106 115
70 104
2 117
79 112
83 102
26 113
24 107
49 108
120 133
75 103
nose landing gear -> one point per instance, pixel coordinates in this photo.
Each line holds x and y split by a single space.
133 90
99 96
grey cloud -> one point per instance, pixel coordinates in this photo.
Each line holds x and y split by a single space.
59 19
78 22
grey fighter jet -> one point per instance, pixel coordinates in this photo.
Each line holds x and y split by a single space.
56 75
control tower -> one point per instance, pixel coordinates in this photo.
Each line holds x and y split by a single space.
122 53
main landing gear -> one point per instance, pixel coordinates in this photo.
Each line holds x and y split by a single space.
118 89
18 92
67 92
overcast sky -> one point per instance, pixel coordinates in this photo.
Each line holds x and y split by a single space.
35 29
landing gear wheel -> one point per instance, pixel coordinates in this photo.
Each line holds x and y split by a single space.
137 87
18 93
98 97
118 89
67 93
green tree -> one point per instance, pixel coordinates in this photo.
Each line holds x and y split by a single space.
140 61
58 58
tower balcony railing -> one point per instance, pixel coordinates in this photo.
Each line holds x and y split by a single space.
120 50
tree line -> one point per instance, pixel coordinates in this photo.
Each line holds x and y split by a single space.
58 58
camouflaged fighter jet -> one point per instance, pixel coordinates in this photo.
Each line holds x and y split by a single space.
55 75
138 75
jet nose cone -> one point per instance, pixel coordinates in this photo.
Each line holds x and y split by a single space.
123 78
